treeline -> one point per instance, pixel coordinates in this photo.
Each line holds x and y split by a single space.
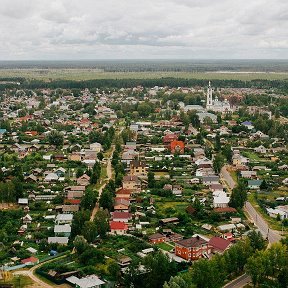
168 81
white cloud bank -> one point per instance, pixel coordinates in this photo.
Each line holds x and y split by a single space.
147 29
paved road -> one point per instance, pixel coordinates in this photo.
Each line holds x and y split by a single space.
109 177
259 221
239 282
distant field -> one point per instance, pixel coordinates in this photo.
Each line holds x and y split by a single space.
89 74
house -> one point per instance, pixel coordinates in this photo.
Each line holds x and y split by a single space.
168 138
157 238
96 147
138 168
279 211
208 180
123 193
27 219
51 177
58 240
62 230
121 216
177 190
248 174
83 180
91 281
192 248
23 201
177 147
64 219
248 125
30 261
220 199
118 228
260 149
219 245
121 204
131 182
254 184
70 208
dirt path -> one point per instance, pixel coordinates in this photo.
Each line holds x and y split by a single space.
109 177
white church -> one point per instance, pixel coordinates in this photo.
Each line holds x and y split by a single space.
216 105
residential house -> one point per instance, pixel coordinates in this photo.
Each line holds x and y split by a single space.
192 248
119 216
138 168
91 281
157 238
58 240
177 147
219 245
62 230
254 184
83 180
118 228
64 219
132 183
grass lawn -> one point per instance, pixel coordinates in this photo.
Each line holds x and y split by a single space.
252 156
165 246
19 281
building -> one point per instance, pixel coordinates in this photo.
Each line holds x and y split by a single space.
192 248
118 228
131 183
91 281
216 105
157 238
219 245
177 147
138 168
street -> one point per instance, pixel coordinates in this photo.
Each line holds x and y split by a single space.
260 223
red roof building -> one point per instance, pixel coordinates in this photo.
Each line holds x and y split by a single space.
177 147
192 248
157 238
219 245
118 228
30 261
118 216
167 139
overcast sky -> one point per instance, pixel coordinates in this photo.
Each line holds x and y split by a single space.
143 29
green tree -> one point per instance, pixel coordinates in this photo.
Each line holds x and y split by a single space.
106 200
90 231
257 242
55 138
238 196
102 222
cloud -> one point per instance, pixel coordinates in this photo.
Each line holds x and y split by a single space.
89 29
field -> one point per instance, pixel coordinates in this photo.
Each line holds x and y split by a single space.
89 74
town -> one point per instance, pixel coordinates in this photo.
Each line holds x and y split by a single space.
143 186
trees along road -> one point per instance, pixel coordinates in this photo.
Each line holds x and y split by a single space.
109 177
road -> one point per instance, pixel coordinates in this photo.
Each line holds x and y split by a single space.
239 282
38 282
261 224
227 177
109 177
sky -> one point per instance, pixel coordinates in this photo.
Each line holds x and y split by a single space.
143 29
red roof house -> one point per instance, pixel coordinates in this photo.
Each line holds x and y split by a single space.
118 228
30 261
167 139
177 147
219 245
